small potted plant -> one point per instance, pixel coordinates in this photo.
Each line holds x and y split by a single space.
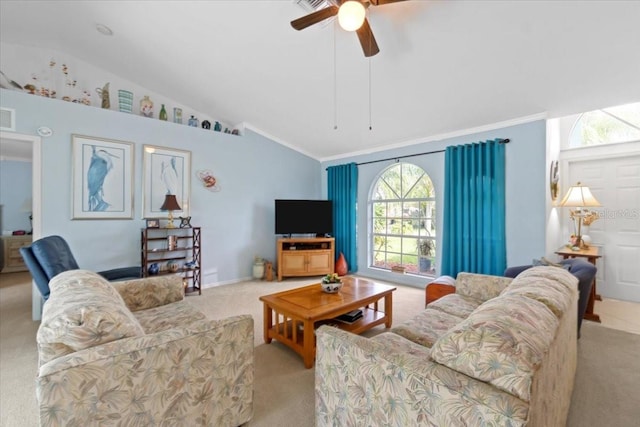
331 283
425 251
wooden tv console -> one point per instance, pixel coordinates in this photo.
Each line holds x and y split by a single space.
305 256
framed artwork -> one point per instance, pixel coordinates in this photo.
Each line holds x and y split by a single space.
165 171
153 223
102 178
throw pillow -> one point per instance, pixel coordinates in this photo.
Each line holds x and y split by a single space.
83 311
503 342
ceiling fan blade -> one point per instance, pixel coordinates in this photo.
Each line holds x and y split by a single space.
314 18
367 41
381 2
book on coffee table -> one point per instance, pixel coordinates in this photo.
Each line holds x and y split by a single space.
349 317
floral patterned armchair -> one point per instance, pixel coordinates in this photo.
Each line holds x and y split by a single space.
135 353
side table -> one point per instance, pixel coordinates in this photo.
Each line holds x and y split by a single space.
592 253
443 285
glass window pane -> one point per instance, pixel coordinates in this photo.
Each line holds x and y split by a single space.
606 126
403 220
379 225
379 209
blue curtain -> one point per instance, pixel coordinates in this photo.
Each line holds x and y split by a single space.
343 192
474 206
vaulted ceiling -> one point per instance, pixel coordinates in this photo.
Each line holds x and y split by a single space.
443 66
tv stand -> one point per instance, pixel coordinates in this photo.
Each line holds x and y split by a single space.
305 256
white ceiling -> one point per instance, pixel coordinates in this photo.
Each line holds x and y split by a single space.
443 66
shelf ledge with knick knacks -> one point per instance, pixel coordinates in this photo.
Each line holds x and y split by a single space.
61 80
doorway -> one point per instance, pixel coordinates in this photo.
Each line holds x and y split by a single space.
19 141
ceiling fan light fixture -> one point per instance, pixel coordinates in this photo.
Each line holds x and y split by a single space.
351 15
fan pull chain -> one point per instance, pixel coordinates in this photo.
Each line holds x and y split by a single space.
370 45
370 127
335 79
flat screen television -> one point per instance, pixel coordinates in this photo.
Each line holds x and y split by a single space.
304 216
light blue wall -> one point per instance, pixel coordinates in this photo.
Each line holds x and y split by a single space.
252 171
525 192
237 222
15 195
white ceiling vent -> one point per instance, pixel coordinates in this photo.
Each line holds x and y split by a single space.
311 5
7 119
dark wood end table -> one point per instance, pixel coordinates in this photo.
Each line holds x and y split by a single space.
592 253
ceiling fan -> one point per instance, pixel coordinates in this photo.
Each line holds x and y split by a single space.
351 16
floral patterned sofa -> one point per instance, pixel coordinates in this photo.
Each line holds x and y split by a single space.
135 353
498 352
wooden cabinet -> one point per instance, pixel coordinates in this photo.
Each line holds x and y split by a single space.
305 256
11 259
173 251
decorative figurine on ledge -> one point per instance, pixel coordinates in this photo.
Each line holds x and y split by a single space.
146 107
163 114
177 115
104 96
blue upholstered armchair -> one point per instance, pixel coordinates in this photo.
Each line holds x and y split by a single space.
51 255
583 270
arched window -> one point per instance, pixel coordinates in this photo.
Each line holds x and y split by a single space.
403 220
606 126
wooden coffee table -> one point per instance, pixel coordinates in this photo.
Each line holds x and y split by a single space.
292 316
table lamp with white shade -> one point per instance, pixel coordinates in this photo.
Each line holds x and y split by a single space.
579 196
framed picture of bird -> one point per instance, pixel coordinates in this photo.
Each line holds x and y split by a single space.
102 183
166 182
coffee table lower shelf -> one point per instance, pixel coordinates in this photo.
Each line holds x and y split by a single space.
289 330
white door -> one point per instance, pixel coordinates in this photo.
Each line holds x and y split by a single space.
615 182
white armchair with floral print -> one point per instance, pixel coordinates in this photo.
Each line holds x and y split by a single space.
135 353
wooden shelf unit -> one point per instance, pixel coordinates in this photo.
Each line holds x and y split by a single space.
305 256
154 249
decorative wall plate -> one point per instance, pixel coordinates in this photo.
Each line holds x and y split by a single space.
208 180
554 177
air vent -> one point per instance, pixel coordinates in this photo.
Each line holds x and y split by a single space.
7 119
311 5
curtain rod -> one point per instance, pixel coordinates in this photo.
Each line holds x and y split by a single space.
502 141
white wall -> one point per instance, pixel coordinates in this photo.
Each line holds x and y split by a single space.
525 191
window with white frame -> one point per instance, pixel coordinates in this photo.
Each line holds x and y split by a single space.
403 220
606 126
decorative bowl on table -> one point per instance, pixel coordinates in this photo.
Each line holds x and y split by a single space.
331 283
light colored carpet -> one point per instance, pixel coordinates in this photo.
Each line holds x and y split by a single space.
606 389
